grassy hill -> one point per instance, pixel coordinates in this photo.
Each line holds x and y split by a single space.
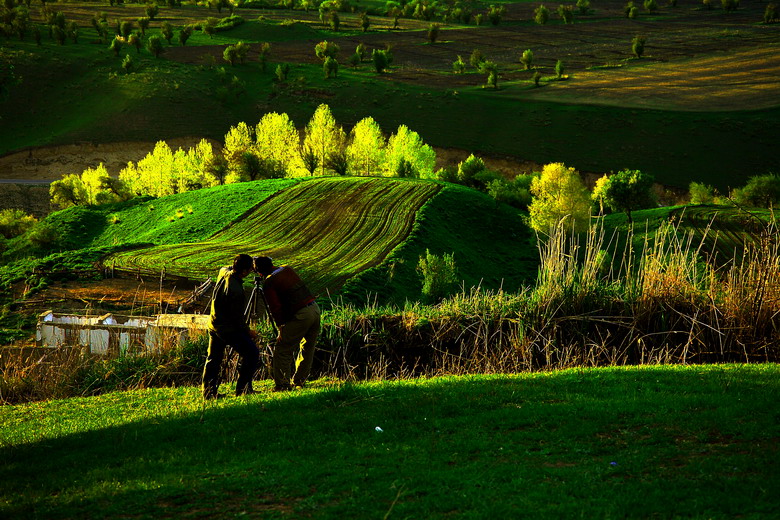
366 232
659 442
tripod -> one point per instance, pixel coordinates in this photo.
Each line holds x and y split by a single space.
253 305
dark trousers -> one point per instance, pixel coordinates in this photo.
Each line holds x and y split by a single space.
249 355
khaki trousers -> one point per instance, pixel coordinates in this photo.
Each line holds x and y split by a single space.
296 339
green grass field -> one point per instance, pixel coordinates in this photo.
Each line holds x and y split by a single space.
651 442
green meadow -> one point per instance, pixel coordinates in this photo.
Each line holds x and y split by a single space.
649 442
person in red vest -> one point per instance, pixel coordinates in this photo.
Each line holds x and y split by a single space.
296 313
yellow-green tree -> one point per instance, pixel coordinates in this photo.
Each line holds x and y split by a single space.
278 140
408 156
324 137
94 186
68 191
366 150
599 193
238 140
152 174
197 171
559 197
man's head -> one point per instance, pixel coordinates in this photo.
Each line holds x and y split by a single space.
242 265
264 265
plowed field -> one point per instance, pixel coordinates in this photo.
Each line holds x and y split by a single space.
329 229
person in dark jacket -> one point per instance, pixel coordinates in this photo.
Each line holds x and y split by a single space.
297 315
228 326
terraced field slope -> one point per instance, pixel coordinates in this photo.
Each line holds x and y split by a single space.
328 228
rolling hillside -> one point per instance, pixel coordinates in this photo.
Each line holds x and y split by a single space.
367 233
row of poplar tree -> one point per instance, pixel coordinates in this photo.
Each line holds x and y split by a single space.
274 148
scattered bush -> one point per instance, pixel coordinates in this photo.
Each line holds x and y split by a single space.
326 49
496 13
527 59
701 193
330 67
476 58
15 222
155 46
559 69
459 66
638 46
770 13
438 275
541 15
566 13
760 191
381 59
433 32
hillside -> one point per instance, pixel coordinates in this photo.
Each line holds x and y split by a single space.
367 233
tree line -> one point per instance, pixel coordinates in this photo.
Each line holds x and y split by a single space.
273 148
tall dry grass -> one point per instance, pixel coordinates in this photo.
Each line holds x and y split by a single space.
598 300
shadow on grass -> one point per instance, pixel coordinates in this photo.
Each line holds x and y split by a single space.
649 441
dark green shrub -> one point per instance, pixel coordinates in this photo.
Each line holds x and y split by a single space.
433 32
438 275
381 59
459 66
281 71
166 29
151 11
770 13
496 13
701 193
566 13
155 46
541 15
185 34
15 222
760 191
527 59
476 58
330 67
638 46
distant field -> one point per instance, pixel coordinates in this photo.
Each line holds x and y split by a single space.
733 80
707 78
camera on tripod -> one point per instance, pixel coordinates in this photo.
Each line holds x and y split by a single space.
254 307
